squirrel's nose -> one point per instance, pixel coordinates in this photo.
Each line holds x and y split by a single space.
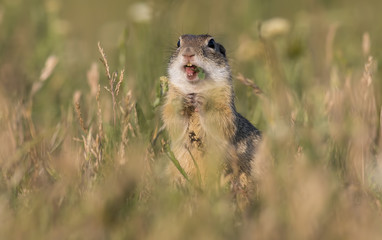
188 54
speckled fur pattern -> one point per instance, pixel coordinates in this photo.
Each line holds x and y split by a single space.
201 118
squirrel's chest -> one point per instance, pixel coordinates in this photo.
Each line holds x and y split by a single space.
195 134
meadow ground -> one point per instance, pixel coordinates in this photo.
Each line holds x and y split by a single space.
83 154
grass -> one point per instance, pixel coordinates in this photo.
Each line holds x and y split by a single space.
83 151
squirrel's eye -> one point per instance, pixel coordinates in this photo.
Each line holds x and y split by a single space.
178 44
211 43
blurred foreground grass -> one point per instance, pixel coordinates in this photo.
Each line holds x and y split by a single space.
82 154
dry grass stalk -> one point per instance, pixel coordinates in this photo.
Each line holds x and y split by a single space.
128 103
136 120
113 88
104 61
365 120
79 116
366 44
46 72
127 128
97 151
77 107
86 142
50 65
247 82
368 71
92 155
93 79
112 92
121 75
126 109
99 113
27 113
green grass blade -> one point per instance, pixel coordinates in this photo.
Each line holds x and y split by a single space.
175 161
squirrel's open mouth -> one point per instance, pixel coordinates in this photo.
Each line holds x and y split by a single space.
191 71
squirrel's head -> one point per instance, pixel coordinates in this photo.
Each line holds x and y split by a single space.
198 63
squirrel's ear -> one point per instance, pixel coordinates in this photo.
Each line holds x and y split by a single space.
221 50
211 43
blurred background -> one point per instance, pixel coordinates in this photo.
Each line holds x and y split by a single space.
80 163
139 36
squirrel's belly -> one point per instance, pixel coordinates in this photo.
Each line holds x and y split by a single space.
190 152
195 135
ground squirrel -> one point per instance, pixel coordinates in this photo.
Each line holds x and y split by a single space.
200 116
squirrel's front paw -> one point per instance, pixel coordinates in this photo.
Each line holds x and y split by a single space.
190 99
199 102
194 101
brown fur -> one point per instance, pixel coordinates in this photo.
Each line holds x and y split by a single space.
193 131
203 123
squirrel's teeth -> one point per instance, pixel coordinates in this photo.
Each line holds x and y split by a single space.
189 65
